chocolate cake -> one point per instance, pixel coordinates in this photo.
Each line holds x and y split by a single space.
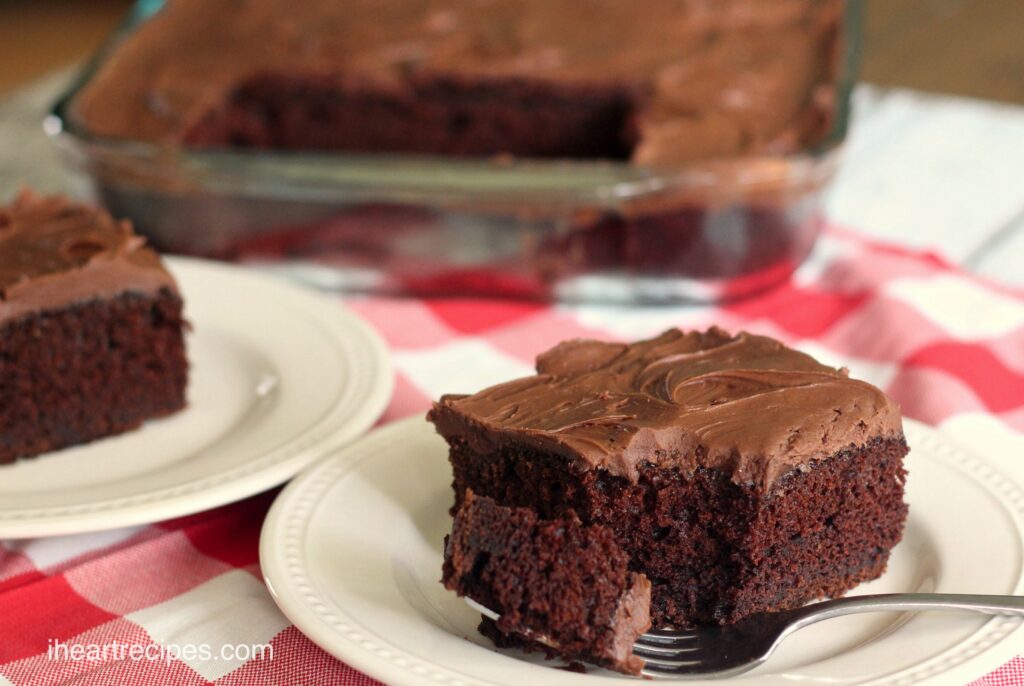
91 328
737 474
557 585
658 83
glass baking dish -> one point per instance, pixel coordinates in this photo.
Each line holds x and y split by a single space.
567 230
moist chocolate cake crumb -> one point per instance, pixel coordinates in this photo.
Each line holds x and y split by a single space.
715 551
558 586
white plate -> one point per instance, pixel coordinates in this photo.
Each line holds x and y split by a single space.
351 552
279 378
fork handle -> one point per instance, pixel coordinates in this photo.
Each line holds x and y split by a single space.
912 602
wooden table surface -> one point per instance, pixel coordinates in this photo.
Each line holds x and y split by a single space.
967 47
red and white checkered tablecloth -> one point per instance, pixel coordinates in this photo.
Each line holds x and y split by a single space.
949 347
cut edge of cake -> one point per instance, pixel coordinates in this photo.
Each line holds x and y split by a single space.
524 569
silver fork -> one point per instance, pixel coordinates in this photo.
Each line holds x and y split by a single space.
718 652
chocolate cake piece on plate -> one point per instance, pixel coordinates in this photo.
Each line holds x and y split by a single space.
91 328
737 474
557 585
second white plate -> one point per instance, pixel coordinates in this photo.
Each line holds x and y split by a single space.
280 377
351 552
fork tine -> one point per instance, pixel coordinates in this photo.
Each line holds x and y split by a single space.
668 638
668 661
668 642
663 651
694 670
698 670
671 632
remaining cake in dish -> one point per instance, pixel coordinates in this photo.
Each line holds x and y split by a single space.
658 83
737 474
91 328
556 584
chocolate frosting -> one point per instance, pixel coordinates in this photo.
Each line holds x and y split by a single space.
55 252
747 405
710 77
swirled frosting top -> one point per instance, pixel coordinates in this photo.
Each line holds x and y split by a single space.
744 404
55 252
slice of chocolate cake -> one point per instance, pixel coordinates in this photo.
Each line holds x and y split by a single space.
91 328
557 585
738 475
